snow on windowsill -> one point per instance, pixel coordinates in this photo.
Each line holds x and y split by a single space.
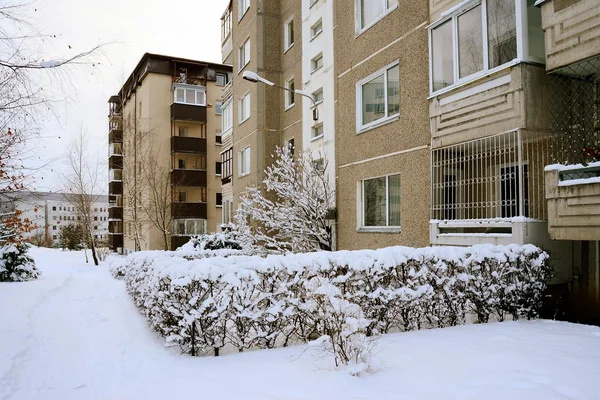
487 221
574 182
561 167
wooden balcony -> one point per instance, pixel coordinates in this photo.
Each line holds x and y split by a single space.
115 161
187 112
188 210
115 213
115 187
188 177
182 144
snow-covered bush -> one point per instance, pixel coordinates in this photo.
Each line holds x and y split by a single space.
205 300
215 241
15 264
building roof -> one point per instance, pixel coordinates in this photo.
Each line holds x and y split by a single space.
46 196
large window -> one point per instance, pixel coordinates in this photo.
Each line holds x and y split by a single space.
289 34
221 80
244 161
227 117
478 37
218 107
189 227
227 165
244 109
244 54
289 94
190 95
370 11
243 6
381 201
378 97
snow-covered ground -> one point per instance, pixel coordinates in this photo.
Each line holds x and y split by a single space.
75 334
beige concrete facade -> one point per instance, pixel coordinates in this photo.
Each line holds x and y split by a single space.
398 144
170 146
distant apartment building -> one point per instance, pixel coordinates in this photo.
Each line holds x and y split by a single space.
165 145
50 212
266 38
381 123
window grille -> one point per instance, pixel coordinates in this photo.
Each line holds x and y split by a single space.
497 177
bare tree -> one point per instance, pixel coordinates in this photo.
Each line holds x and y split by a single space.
83 185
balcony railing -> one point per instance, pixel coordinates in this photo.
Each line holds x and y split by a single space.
115 162
187 112
115 213
181 144
188 210
115 188
188 177
115 241
115 174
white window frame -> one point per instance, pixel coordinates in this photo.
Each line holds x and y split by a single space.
245 51
226 117
224 76
314 60
361 199
312 3
358 13
314 128
286 34
218 107
244 108
319 90
313 32
244 162
243 7
522 43
199 95
288 94
359 97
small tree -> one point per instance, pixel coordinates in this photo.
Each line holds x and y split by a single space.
290 214
71 237
15 264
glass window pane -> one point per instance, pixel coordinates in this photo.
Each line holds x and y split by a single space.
200 97
442 56
394 200
470 43
190 96
393 90
370 10
502 32
373 100
375 202
536 34
180 95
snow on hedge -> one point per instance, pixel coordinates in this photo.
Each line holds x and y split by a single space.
205 300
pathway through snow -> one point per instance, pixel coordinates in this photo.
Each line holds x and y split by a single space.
75 334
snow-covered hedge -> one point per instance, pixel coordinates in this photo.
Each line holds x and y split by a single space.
203 301
15 263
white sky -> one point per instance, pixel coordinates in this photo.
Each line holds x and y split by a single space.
182 28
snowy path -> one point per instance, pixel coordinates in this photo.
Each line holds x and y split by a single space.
75 334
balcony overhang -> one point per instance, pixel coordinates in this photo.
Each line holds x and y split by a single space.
115 161
115 136
187 177
187 112
115 213
182 144
189 210
115 187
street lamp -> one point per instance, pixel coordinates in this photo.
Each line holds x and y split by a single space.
255 78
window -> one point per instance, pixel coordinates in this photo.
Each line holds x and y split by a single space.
95 218
226 116
218 139
244 54
96 227
316 62
218 168
182 197
226 165
189 227
316 29
54 237
289 34
243 6
381 201
370 11
378 97
189 95
183 131
244 162
59 208
313 2
218 107
244 108
54 208
221 80
318 96
181 163
289 94
319 165
219 199
475 39
317 131
291 146
53 227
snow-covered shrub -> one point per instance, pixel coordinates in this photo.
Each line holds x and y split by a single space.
203 300
15 264
215 241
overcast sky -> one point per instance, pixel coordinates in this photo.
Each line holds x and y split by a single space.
183 28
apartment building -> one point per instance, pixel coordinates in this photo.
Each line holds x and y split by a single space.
50 212
264 37
505 104
165 145
381 123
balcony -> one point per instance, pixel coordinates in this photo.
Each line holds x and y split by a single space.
181 144
573 196
178 241
115 135
187 112
115 188
572 31
115 162
115 213
189 103
227 91
188 210
188 177
114 109
115 240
